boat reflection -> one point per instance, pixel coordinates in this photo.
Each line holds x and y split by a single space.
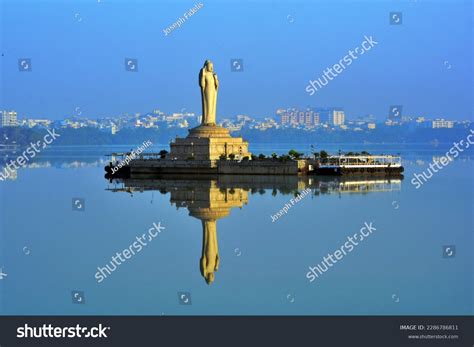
210 198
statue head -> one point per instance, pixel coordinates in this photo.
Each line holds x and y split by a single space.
208 66
210 277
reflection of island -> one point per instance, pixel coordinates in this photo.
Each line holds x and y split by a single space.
209 198
208 202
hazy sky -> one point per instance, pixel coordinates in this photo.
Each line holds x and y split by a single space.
78 50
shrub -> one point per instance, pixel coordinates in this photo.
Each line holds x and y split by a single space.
163 153
294 154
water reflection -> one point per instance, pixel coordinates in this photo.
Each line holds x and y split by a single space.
210 198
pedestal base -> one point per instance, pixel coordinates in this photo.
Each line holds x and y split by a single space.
208 142
208 131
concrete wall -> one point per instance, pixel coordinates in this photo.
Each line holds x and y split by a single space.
228 167
257 167
166 166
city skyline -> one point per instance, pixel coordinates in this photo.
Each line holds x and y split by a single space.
292 117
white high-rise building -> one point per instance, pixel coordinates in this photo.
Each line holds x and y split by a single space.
9 119
337 118
442 123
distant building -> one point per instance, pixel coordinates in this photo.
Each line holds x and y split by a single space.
390 123
244 118
442 123
285 118
294 118
114 129
298 118
309 120
301 118
330 115
337 118
317 119
9 119
183 124
39 122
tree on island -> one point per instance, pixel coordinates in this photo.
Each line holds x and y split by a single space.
253 156
323 154
163 153
274 155
261 156
232 156
222 157
294 154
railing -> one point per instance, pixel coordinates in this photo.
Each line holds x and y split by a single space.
123 155
359 161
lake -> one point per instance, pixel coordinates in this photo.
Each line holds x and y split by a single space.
218 251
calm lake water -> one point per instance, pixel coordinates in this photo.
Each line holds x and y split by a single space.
51 248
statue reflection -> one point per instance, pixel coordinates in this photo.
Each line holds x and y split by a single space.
210 198
208 202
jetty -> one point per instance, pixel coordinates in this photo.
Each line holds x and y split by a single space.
155 164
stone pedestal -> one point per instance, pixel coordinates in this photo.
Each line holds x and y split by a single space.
208 142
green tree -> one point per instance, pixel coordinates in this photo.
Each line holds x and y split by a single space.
261 156
232 156
284 158
163 153
323 154
294 154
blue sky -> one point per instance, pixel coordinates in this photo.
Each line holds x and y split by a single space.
78 50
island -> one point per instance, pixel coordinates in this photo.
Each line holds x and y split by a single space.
210 149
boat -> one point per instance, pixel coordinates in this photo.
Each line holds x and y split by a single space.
359 165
